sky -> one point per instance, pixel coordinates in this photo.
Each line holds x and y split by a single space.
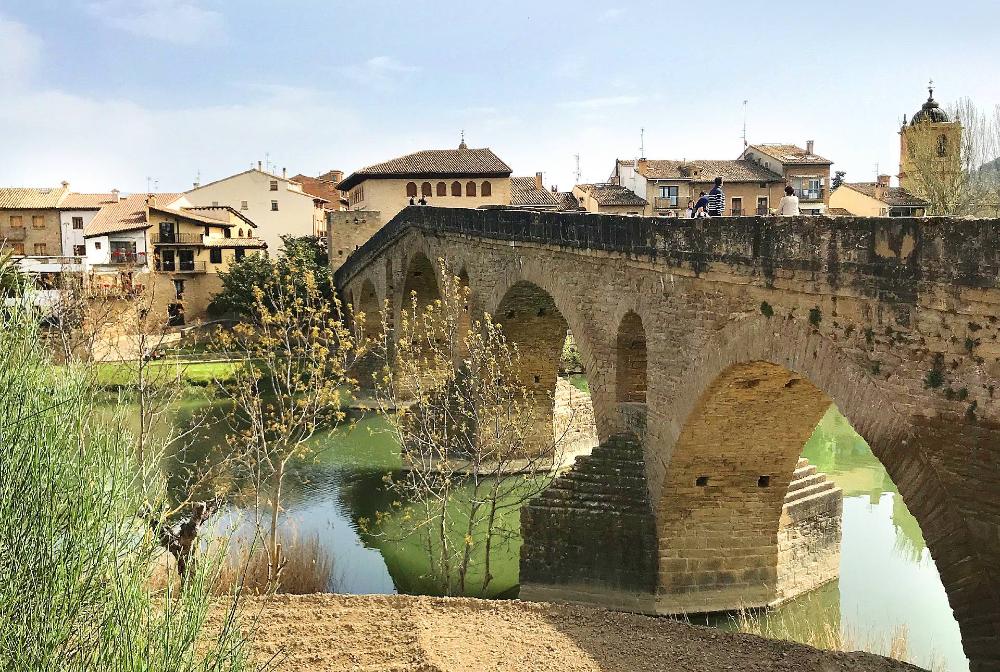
139 94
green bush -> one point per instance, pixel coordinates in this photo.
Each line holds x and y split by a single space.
76 551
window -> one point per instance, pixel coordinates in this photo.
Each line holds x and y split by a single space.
942 145
78 223
185 260
239 234
208 231
97 244
179 289
762 205
215 204
215 255
167 260
37 222
487 189
442 189
274 185
16 222
669 193
425 189
239 253
79 250
40 249
244 205
411 189
470 189
737 206
227 233
18 248
274 206
456 188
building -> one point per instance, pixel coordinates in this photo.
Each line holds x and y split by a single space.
668 186
325 186
31 230
530 193
876 199
75 213
277 205
456 178
177 251
610 199
347 231
802 169
930 148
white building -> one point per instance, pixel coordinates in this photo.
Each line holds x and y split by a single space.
277 205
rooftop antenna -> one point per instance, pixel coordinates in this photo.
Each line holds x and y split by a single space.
642 143
744 124
930 87
577 173
876 171
267 161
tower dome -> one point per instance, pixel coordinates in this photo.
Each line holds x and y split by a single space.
930 111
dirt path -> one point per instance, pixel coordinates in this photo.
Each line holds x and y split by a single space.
423 634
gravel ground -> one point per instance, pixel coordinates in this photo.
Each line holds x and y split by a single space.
310 633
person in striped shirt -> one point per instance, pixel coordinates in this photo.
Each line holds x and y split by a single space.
716 200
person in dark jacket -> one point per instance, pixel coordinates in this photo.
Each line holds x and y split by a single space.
701 207
717 200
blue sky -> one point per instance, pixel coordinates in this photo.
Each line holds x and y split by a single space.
106 93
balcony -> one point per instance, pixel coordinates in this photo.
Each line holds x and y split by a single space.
810 194
179 266
177 238
122 258
666 203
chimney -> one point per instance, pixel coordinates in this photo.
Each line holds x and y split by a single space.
65 184
882 187
338 176
538 181
284 173
151 200
197 184
116 196
809 146
260 166
640 165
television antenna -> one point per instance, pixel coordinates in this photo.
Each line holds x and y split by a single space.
642 143
577 174
745 144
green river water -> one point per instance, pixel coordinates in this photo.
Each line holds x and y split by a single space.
888 580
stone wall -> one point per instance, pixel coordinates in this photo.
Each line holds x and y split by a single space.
896 321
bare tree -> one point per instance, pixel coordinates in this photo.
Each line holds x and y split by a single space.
293 356
450 388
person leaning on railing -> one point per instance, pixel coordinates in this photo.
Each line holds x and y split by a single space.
789 205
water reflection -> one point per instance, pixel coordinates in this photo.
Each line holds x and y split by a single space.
887 577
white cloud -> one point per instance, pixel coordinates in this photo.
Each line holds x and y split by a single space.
600 103
382 73
181 22
19 52
611 14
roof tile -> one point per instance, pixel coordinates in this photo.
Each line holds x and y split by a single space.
434 163
524 193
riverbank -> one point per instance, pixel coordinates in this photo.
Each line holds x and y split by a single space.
310 633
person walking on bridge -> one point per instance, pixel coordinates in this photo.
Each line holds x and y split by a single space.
716 200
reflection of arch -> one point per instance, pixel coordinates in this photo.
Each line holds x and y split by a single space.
442 189
425 189
411 189
470 188
487 189
630 368
456 188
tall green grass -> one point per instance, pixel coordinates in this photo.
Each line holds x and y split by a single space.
76 550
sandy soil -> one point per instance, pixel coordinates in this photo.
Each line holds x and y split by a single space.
392 632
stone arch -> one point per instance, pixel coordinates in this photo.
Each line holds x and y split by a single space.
442 189
367 302
470 188
425 189
630 366
487 188
411 189
744 411
420 282
456 188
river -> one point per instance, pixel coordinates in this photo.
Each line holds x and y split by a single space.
888 581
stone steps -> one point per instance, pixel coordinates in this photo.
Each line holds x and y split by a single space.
809 488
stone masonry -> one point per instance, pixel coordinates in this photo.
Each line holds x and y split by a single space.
751 327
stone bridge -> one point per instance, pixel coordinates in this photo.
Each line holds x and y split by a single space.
712 349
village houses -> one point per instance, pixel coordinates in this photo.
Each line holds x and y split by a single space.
802 169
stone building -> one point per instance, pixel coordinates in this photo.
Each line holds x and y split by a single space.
804 171
31 230
667 186
463 177
176 251
877 199
929 146
607 198
277 205
347 230
324 186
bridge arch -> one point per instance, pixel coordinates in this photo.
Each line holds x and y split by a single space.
730 446
420 283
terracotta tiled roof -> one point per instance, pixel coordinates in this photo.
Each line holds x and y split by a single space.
434 163
220 213
612 194
86 201
319 187
128 214
43 198
233 242
838 212
566 201
790 153
524 193
893 195
739 170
